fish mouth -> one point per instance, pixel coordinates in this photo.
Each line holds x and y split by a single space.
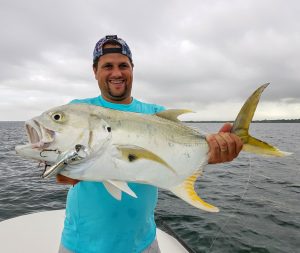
38 136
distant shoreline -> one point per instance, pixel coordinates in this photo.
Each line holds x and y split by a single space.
212 121
254 121
217 121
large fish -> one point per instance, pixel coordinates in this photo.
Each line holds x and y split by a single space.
93 143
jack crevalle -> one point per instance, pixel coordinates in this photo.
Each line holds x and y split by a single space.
93 143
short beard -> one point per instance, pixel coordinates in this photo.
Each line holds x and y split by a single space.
118 97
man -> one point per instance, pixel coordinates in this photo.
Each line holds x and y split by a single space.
95 221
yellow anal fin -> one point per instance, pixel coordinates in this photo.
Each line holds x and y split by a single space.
186 192
172 114
133 153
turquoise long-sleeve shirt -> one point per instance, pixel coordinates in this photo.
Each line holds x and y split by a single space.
97 222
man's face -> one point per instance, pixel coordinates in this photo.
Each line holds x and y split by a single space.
114 75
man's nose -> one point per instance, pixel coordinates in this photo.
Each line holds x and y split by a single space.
116 72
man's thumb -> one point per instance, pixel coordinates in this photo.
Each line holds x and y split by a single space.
225 128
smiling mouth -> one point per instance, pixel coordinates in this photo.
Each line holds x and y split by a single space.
117 82
39 137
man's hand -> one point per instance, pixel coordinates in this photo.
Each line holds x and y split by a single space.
223 146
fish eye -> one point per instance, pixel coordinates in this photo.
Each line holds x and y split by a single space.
57 116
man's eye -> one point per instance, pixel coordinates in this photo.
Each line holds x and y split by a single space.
124 66
108 66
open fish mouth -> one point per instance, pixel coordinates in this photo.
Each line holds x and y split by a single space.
38 136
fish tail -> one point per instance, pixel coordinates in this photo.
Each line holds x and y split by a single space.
242 123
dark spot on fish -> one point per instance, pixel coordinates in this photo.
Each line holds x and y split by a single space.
93 115
131 157
109 129
90 138
187 155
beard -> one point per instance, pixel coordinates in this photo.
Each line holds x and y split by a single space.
118 97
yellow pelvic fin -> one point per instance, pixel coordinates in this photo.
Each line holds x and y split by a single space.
242 123
172 114
133 153
186 192
115 188
123 186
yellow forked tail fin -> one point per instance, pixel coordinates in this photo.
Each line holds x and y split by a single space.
241 127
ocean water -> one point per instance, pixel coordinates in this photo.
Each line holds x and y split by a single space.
258 197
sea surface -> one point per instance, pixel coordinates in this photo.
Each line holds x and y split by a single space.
258 197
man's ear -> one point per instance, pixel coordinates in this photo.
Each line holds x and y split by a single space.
95 72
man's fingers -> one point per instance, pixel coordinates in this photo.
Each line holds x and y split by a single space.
238 143
223 147
230 141
214 149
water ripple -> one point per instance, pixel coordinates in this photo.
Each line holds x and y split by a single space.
258 197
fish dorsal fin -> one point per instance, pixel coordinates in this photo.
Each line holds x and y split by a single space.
115 188
132 153
172 114
186 192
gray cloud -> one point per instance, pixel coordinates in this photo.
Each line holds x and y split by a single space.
191 54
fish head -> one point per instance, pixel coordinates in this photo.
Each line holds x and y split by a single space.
60 129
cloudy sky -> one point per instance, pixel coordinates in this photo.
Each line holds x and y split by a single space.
203 55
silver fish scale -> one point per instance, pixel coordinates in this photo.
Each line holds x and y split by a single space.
154 125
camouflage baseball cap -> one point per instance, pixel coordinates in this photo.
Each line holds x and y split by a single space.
99 50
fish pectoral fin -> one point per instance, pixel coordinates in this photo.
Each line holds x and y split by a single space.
172 114
123 186
186 192
113 190
132 153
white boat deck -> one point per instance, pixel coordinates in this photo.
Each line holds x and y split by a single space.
40 232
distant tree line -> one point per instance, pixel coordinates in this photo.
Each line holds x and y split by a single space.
254 121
